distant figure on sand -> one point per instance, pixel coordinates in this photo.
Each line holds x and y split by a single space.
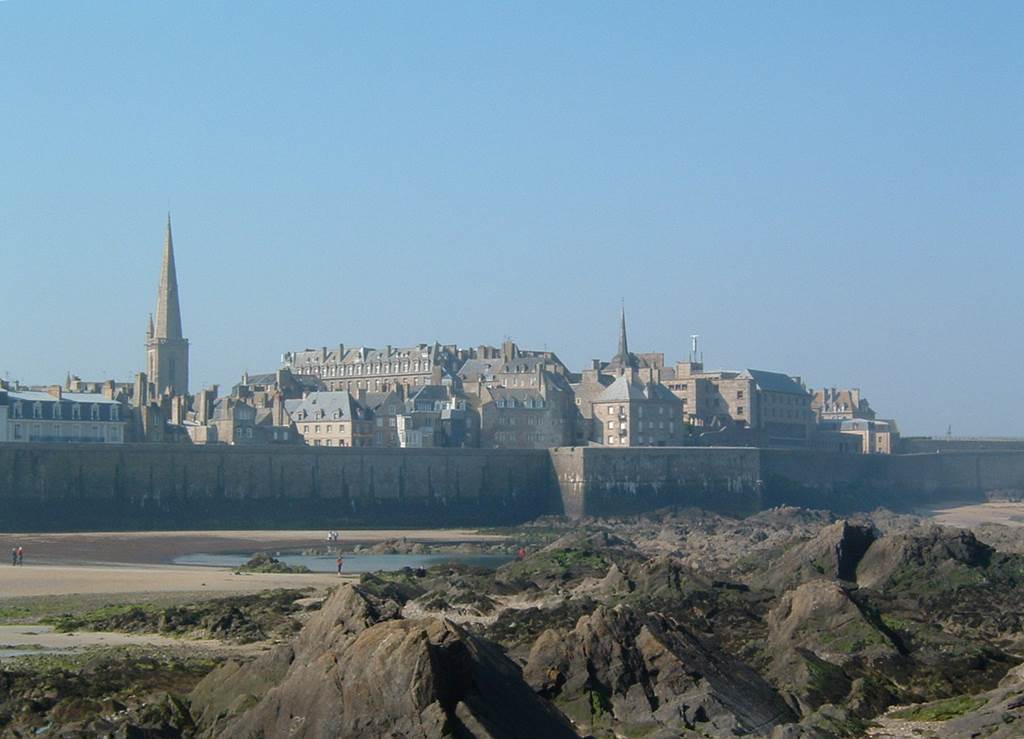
14 556
521 554
21 556
340 562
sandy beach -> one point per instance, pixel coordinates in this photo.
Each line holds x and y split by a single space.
139 563
161 547
966 516
35 580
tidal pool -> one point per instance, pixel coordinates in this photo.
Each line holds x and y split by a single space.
354 563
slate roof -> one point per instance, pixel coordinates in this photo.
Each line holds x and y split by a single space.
627 389
338 405
775 382
33 396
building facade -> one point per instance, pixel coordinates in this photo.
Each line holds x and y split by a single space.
332 419
59 417
376 370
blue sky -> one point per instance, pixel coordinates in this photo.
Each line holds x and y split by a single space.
829 189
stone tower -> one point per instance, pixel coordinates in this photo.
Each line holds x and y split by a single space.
166 348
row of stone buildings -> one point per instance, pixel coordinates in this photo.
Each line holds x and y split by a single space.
440 395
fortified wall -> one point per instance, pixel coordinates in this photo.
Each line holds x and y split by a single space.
144 486
88 487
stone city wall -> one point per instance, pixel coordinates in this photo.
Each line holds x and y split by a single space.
145 486
48 487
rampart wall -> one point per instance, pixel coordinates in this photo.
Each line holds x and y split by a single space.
156 485
67 487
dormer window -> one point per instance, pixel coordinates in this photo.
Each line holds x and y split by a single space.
76 412
37 410
94 412
57 413
17 409
114 415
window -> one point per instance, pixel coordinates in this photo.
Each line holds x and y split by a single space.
739 410
94 412
17 409
611 439
76 412
56 410
17 431
328 428
611 424
37 410
114 413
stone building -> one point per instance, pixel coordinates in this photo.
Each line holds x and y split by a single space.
387 408
840 404
746 406
61 417
376 370
623 403
435 416
331 418
166 348
634 412
876 437
535 417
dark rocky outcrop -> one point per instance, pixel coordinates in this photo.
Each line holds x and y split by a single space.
833 553
632 673
359 669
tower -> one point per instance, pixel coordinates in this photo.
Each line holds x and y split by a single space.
623 360
166 349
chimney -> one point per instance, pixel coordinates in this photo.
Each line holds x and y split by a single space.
108 390
55 391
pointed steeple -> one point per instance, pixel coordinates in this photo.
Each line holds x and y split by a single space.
168 313
623 347
149 328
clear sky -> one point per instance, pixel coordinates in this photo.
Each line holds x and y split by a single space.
834 190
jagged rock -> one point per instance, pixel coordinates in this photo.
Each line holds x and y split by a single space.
358 670
613 583
644 673
934 547
814 632
833 553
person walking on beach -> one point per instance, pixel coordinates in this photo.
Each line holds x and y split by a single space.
21 556
340 562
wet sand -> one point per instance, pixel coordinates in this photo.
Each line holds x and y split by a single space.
36 638
37 580
161 547
129 563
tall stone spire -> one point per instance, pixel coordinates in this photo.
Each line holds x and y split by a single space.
168 313
166 348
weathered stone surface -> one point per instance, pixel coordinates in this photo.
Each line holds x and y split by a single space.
644 673
360 670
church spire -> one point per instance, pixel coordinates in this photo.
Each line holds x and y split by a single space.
623 359
623 348
168 313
